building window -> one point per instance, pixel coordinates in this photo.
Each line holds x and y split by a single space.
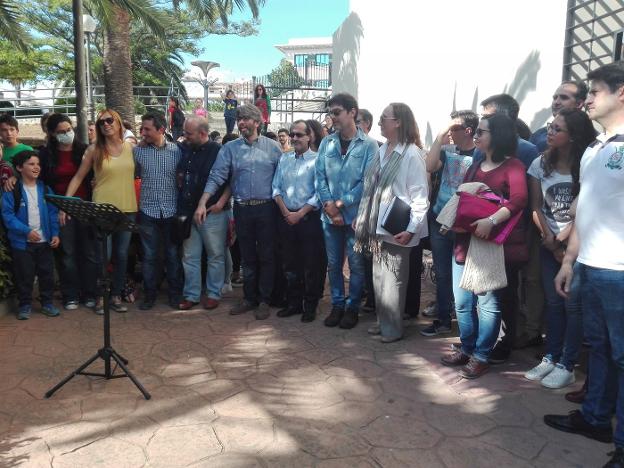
300 60
323 59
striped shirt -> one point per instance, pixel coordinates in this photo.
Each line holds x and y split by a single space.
157 169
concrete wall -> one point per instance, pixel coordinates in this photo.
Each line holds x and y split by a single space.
450 54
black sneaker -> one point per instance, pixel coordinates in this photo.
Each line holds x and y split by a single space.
436 328
147 304
335 316
498 355
575 423
349 319
288 312
617 459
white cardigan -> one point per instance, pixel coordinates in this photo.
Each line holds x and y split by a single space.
411 186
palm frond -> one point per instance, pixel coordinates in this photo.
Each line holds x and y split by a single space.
10 27
144 11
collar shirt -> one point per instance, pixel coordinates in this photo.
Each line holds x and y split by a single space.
342 177
156 166
294 180
600 211
250 167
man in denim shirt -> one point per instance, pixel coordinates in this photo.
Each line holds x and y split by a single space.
300 230
249 164
342 161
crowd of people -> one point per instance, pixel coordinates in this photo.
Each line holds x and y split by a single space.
521 232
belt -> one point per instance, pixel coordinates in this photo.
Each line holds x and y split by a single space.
252 202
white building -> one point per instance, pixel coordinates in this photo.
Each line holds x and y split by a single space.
450 54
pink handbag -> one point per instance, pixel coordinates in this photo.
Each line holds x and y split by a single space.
472 207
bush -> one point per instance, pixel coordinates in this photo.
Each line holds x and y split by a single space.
6 279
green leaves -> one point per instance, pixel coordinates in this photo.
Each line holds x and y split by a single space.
10 27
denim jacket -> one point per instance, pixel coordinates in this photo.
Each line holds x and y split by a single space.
342 178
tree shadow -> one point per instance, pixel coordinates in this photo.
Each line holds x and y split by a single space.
346 55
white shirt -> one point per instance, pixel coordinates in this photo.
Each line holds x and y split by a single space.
411 186
600 211
34 218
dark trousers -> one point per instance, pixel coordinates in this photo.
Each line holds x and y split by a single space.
229 124
154 232
36 260
412 300
236 256
256 230
509 306
78 261
304 260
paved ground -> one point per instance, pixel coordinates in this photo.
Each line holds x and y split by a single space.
234 392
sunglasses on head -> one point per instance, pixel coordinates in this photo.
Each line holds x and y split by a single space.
297 134
107 120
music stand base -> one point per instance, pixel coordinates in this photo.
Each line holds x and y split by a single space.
106 354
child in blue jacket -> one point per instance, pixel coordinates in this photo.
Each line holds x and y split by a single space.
33 231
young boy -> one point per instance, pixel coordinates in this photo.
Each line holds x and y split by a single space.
33 230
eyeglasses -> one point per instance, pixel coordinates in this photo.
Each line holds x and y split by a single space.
297 134
107 120
383 117
480 131
336 112
554 129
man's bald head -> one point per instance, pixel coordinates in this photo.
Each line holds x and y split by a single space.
196 130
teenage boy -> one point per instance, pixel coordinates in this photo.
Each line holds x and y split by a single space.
33 231
9 133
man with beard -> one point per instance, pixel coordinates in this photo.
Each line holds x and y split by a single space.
198 158
249 163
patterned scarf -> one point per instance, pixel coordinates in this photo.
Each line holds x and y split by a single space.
377 189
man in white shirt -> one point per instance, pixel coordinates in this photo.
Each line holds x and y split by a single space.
597 245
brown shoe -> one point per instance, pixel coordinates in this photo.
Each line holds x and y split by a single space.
577 396
474 369
209 303
186 304
456 358
262 312
242 307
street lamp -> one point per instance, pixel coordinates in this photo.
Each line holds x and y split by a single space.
89 25
205 67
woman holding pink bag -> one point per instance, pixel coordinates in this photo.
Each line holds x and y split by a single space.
506 176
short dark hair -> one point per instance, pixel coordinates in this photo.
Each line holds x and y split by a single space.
214 135
503 103
157 119
581 89
344 100
9 120
20 158
271 135
44 119
283 130
366 116
504 139
229 137
300 121
55 119
470 118
612 74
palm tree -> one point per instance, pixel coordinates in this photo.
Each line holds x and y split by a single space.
116 16
10 28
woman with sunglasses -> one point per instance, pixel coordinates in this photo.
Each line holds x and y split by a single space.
553 185
112 161
504 174
263 102
396 175
60 159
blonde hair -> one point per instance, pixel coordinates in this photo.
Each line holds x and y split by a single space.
99 151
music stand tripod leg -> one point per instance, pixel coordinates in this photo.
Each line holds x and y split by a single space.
130 375
50 392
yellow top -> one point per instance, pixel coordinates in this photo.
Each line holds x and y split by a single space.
114 181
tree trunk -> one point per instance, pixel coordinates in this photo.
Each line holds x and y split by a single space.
118 66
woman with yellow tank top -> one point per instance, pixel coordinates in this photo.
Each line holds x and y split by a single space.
112 161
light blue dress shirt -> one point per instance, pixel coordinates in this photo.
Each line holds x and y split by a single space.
249 167
294 180
341 177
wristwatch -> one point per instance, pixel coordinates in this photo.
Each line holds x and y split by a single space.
493 220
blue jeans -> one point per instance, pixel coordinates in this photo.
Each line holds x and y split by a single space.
211 236
339 241
603 320
155 231
564 318
442 251
478 332
117 249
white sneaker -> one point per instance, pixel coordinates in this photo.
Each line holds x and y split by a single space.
541 370
227 288
559 377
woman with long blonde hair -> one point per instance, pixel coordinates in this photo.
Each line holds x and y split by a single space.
112 162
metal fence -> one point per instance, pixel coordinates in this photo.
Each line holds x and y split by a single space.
27 103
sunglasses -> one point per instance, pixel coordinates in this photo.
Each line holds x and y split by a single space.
480 131
297 134
457 128
107 120
336 112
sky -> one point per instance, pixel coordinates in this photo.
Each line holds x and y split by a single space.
281 20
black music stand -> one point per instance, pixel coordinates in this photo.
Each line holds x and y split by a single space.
106 219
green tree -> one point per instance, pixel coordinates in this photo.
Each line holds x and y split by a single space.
284 77
20 67
10 27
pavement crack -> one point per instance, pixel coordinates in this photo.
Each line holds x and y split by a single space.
74 450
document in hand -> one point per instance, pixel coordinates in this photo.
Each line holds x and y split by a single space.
397 216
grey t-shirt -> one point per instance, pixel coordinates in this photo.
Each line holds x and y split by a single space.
34 218
557 195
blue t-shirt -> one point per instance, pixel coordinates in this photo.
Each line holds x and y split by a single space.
230 108
540 139
456 165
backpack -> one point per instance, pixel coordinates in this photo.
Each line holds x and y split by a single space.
17 196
